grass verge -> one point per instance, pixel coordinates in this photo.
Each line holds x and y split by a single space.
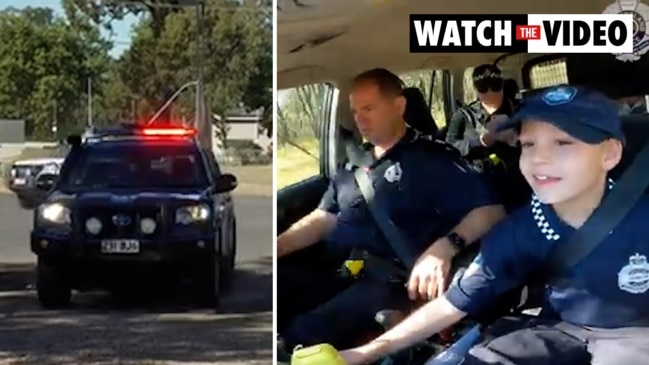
296 164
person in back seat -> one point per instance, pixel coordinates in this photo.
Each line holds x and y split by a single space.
472 131
437 203
632 105
571 139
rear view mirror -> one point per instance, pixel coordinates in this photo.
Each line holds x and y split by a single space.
74 140
225 183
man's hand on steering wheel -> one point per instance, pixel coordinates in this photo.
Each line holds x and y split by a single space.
429 276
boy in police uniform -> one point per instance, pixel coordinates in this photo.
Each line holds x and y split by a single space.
571 138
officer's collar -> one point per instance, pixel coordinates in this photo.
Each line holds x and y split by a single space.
547 220
410 136
504 108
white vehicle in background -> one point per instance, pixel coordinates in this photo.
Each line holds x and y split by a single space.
30 179
27 176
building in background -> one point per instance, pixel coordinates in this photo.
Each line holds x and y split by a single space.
12 131
242 127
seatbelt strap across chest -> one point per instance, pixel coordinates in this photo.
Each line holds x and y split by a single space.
614 207
385 224
393 235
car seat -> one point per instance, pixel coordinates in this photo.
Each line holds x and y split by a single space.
510 90
417 113
183 170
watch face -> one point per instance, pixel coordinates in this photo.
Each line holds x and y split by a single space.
457 240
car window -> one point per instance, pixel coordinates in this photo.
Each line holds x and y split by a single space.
136 166
549 73
423 80
300 116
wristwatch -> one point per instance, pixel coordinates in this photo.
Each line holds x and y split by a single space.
458 242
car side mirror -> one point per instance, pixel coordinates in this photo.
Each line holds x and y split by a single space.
46 182
225 183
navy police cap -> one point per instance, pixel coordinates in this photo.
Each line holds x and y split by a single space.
585 114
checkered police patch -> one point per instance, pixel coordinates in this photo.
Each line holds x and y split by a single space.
542 221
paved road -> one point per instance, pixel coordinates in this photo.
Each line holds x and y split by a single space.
152 328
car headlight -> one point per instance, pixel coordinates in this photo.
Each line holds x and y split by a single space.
55 213
51 168
93 225
147 225
192 214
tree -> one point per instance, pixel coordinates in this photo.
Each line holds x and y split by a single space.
237 59
103 12
45 63
259 92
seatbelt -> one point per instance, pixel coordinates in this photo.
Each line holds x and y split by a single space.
397 241
469 117
390 231
615 206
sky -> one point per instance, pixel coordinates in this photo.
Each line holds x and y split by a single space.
122 28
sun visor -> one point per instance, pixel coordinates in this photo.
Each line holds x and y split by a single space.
607 74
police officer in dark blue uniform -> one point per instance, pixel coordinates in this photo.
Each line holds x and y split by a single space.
472 130
571 138
632 105
431 197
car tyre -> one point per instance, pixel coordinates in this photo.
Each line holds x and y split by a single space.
51 286
228 262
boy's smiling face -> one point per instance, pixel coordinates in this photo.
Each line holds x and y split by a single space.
561 168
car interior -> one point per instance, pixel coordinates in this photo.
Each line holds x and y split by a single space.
330 41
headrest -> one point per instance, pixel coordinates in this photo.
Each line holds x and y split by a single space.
510 89
418 114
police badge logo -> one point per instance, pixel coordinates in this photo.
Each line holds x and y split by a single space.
559 95
634 277
640 14
393 173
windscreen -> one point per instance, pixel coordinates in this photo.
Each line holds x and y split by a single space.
136 166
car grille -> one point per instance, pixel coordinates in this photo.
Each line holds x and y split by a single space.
120 222
25 171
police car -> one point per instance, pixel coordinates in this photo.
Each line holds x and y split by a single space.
135 204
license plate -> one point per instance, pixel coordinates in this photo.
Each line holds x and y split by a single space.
20 181
120 246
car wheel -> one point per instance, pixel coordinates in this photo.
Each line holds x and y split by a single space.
233 236
209 284
51 286
227 268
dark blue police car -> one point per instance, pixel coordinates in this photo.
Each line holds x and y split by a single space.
135 204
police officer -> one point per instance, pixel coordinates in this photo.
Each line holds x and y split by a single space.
472 131
633 105
439 204
571 138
